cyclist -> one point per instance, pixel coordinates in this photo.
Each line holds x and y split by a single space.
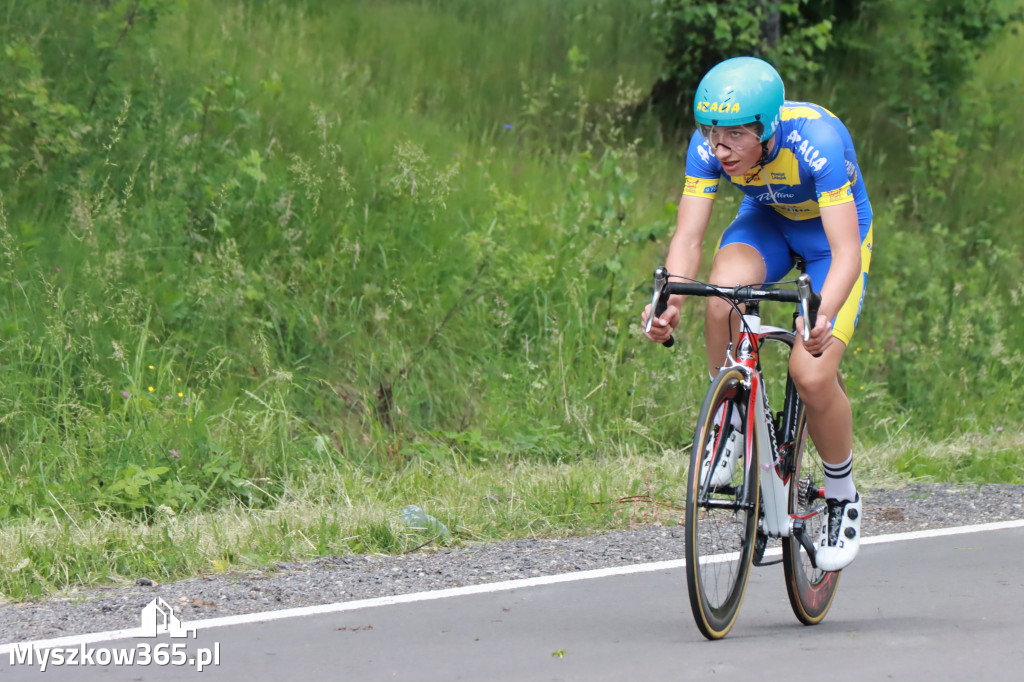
804 196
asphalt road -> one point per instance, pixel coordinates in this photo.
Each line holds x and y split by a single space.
932 608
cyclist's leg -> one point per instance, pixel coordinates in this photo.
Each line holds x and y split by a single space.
752 250
830 424
829 417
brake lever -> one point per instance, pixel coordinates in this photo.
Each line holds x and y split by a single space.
803 288
809 303
658 303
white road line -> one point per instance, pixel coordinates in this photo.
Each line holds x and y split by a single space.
202 625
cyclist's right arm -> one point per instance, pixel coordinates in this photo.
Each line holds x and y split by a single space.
684 255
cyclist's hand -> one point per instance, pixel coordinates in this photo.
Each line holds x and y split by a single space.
662 327
821 335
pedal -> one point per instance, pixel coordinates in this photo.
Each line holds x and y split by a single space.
799 530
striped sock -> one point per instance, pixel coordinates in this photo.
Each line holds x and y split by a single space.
839 480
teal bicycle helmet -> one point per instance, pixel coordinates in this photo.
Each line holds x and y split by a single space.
740 91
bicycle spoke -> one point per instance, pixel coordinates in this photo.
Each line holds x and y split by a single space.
720 520
810 589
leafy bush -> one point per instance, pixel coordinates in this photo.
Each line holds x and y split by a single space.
912 56
916 57
698 35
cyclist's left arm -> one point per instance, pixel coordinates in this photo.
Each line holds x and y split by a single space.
843 232
839 217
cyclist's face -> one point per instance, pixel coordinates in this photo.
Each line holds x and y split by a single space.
737 148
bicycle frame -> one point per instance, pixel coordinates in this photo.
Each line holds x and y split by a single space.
774 466
776 473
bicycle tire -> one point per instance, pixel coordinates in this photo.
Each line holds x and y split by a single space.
721 521
810 589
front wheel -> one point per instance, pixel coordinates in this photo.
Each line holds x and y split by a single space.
810 589
721 508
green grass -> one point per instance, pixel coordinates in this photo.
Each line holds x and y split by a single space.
336 511
282 269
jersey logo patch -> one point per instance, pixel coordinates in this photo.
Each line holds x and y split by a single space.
833 197
784 169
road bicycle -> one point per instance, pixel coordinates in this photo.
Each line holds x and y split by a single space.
748 479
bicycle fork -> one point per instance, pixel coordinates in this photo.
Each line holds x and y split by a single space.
774 481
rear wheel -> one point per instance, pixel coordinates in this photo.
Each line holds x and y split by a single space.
721 515
810 589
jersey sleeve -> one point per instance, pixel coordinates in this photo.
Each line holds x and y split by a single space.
828 165
702 170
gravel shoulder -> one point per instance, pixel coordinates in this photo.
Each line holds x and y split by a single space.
347 578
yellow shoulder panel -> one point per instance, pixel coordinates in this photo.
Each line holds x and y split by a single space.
789 113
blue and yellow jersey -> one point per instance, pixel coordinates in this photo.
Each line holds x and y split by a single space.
813 164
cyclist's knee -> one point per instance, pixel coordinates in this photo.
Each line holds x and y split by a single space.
737 264
814 379
719 311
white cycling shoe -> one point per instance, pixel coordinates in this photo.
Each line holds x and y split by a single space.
726 468
839 540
